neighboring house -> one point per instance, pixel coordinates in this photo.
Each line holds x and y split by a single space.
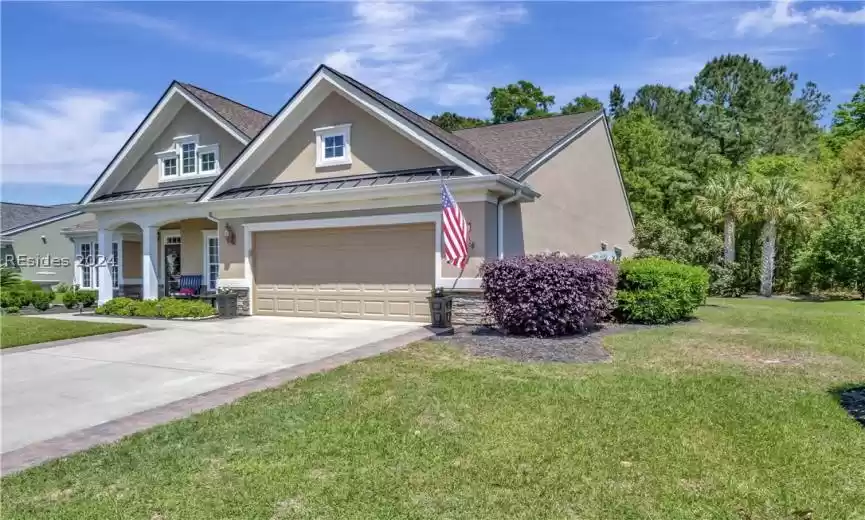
33 241
332 206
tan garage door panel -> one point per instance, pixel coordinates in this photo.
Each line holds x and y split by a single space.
382 272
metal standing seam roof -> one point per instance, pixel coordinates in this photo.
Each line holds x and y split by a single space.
153 193
340 183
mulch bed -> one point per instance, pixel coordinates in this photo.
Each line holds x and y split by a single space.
580 348
853 401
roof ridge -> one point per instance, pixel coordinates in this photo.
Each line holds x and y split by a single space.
212 93
551 116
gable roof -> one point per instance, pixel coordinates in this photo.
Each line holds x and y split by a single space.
454 141
196 98
14 217
512 146
246 119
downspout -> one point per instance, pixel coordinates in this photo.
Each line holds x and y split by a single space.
500 207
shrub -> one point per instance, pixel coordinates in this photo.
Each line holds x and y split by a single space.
548 295
29 286
87 298
118 307
728 279
70 299
41 300
62 288
22 298
162 308
653 290
10 299
12 310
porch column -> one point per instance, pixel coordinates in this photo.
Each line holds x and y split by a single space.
149 262
106 284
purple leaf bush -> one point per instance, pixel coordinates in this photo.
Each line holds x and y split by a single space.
548 295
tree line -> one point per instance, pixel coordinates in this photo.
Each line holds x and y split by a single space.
734 172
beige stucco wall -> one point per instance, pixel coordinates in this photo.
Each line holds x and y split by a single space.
56 253
374 147
131 259
582 203
188 121
481 216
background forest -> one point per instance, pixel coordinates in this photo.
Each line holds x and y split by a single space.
734 173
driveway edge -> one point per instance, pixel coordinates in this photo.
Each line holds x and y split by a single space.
111 431
61 342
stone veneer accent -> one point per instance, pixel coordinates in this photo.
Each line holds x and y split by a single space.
243 303
468 308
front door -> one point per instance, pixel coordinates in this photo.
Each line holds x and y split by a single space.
171 263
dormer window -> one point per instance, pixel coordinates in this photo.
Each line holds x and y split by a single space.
186 158
333 145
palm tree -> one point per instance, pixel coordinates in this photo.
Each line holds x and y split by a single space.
726 198
9 278
777 201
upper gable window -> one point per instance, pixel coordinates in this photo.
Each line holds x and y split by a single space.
333 145
187 158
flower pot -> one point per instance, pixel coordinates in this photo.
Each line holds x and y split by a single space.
440 311
226 305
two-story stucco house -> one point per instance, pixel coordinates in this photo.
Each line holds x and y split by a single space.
331 207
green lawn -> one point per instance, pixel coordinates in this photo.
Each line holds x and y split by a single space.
732 417
18 330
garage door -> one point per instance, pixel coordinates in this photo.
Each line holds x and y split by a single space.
382 272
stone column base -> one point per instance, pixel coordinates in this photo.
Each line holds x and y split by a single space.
469 308
243 301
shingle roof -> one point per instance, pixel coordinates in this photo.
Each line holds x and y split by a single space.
153 193
13 215
246 119
340 183
456 142
510 146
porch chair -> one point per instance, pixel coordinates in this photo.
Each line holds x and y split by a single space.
189 281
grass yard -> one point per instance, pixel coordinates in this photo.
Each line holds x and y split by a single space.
732 417
18 330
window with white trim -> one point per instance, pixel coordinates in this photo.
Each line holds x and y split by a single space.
89 263
211 260
333 145
187 158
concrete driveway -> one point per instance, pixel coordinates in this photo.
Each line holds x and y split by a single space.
51 392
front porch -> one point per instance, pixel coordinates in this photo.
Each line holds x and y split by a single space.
148 262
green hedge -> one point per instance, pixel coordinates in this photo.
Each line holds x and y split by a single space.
653 290
161 308
25 294
86 298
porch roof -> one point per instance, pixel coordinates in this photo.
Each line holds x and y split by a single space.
341 183
153 193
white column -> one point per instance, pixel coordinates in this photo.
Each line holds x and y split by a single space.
106 284
149 262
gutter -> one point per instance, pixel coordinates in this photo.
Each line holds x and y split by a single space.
500 210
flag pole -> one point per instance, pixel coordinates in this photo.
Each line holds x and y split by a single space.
441 238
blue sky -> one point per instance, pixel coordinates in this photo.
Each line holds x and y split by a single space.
78 77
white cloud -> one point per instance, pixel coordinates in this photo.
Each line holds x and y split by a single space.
839 16
407 50
410 51
763 21
783 14
67 137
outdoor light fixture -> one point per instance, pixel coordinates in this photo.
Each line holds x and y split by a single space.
229 234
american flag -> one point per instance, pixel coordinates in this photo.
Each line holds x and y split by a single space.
455 230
